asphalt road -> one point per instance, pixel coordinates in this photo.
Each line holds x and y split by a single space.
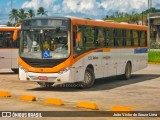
141 93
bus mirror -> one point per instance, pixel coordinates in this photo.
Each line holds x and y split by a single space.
78 37
15 35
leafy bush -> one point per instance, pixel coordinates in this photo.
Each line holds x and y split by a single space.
154 56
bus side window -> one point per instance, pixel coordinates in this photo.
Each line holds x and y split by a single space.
115 33
95 36
89 38
1 39
139 38
119 38
132 38
78 45
110 37
135 36
100 37
143 40
7 39
123 37
106 37
128 38
105 43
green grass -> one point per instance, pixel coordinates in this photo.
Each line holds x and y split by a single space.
154 56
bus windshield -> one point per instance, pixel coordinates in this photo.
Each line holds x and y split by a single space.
44 43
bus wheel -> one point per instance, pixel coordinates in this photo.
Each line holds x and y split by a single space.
89 78
45 84
15 70
128 70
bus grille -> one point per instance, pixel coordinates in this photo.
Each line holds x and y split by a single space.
43 63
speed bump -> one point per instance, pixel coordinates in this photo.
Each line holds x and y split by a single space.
121 108
28 97
88 105
54 101
5 94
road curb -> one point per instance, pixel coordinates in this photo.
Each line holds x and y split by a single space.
5 94
88 105
28 97
54 101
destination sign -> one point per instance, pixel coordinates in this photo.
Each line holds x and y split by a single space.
46 22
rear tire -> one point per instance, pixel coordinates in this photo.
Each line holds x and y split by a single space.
128 71
89 79
45 84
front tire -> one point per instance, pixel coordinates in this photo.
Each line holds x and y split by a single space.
89 78
45 84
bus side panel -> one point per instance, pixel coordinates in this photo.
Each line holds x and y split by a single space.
110 62
143 60
5 58
14 60
94 59
78 70
127 55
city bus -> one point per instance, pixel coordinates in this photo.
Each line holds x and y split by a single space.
8 48
57 50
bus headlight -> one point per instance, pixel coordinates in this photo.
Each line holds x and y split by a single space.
64 70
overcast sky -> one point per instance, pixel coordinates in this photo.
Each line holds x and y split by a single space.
95 9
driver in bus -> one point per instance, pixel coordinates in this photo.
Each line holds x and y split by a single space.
46 45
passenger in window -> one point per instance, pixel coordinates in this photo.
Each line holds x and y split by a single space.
53 45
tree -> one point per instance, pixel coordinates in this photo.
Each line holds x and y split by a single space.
31 13
13 15
22 14
9 23
41 11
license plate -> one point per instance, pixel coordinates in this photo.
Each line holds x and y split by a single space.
42 77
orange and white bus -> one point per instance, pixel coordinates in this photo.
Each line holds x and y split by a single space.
73 50
9 48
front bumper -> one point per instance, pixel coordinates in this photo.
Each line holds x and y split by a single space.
65 77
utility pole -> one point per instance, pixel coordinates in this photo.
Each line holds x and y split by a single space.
142 17
149 31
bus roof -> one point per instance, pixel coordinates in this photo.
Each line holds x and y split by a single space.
107 24
9 28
